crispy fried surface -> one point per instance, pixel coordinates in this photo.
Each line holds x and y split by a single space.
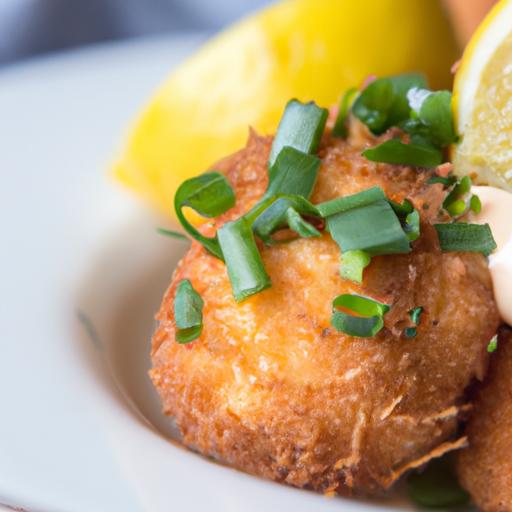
485 468
271 388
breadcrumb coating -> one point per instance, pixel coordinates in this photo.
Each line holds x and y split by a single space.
271 388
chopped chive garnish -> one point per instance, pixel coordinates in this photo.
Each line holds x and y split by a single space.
410 332
301 127
455 203
188 312
456 208
293 172
342 204
415 313
446 182
340 126
243 260
412 226
396 152
431 116
300 226
493 344
462 237
352 265
286 211
475 204
383 103
374 228
171 233
210 195
402 209
363 317
437 487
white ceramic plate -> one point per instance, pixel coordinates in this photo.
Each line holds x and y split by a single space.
82 272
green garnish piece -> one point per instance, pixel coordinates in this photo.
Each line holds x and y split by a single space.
243 260
475 204
171 233
437 487
293 173
463 237
493 344
286 211
455 203
410 332
188 312
343 204
396 152
409 218
446 182
374 228
383 103
352 265
210 195
415 314
301 127
431 116
412 226
364 317
340 126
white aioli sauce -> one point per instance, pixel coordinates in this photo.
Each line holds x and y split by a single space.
497 212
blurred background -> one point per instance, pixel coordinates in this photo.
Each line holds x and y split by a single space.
33 27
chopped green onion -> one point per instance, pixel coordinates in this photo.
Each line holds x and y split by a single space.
286 211
462 237
402 210
188 312
243 260
456 208
299 225
410 332
209 195
342 204
383 103
301 127
415 314
396 152
365 316
171 233
352 265
431 116
373 228
475 204
412 226
437 487
340 126
454 203
446 182
293 173
493 344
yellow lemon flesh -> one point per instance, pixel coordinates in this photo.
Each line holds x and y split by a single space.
482 102
244 77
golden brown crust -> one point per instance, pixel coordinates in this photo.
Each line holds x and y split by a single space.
485 468
271 388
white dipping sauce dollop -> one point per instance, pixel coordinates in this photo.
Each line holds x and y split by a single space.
497 212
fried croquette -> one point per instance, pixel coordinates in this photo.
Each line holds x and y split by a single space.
271 388
485 467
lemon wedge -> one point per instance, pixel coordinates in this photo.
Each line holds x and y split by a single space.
482 102
245 76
